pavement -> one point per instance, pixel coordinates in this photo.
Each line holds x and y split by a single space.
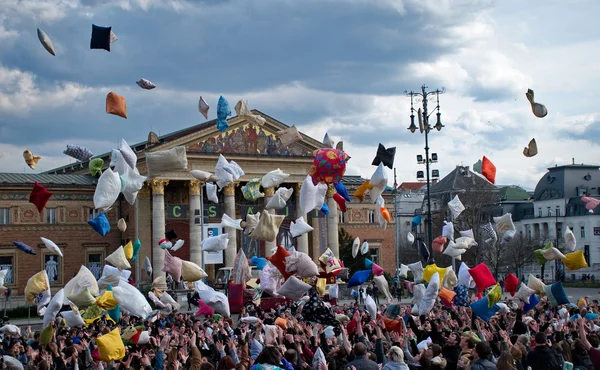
572 293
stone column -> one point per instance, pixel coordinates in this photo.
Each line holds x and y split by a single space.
332 223
269 246
316 244
229 208
158 225
302 240
195 229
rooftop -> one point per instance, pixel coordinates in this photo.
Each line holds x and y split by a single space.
411 186
46 179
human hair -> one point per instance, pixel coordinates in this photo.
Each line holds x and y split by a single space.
360 349
540 338
594 340
226 363
207 366
516 353
395 354
436 349
506 361
291 356
483 350
269 356
471 343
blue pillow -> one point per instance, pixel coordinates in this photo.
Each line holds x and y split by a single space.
325 209
480 308
24 247
574 317
223 111
556 294
359 278
136 249
462 296
259 262
591 316
416 221
368 263
100 224
100 37
341 190
533 301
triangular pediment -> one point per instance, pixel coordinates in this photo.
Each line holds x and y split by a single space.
242 137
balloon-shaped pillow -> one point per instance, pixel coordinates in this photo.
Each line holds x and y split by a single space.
570 240
118 259
110 346
268 227
556 294
482 309
39 196
575 261
173 266
24 247
438 244
191 271
371 307
511 284
215 243
329 165
482 276
381 283
359 278
364 248
417 270
294 288
46 43
299 227
432 269
377 270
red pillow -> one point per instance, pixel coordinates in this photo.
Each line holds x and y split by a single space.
438 244
236 297
278 260
488 170
39 196
482 276
511 283
340 201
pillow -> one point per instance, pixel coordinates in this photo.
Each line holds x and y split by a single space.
536 284
450 280
203 107
490 234
325 209
379 178
148 266
278 260
216 300
428 301
270 279
251 191
110 279
268 227
211 192
24 247
53 307
223 111
315 310
274 178
122 225
385 156
11 329
552 254
279 199
432 269
311 195
511 283
132 300
281 322
37 289
134 184
575 261
368 263
570 241
201 175
446 296
320 286
301 264
215 243
469 234
438 244
100 224
556 294
360 191
79 153
462 296
334 291
464 242
107 190
452 251
377 270
204 309
456 207
240 273
494 295
464 277
46 336
488 170
300 227
482 276
359 278
72 319
84 279
118 259
417 270
39 196
126 274
95 166
116 104
289 136
259 262
107 300
355 246
329 165
46 42
173 266
590 203
364 248
83 299
128 250
166 299
371 307
227 221
163 161
128 154
342 191
524 293
381 283
252 222
448 230
482 310
100 37
191 271
110 346
332 264
504 223
533 301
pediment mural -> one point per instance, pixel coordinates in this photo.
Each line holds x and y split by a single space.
248 138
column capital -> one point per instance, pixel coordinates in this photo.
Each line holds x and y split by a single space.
144 191
269 192
330 190
194 186
229 189
158 186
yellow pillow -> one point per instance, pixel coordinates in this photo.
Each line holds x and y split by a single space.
575 261
494 295
128 249
432 269
36 284
111 347
82 299
46 335
321 284
360 192
192 272
107 301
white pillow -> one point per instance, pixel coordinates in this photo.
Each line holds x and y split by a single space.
301 264
452 251
371 307
215 243
118 259
201 175
211 192
355 247
299 227
524 293
364 248
178 245
118 162
293 288
280 198
403 270
464 242
504 223
52 246
250 320
134 184
72 319
235 170
430 295
448 231
410 237
3 276
166 299
417 270
252 222
11 329
223 177
128 154
552 254
83 279
379 178
227 221
311 196
54 307
216 300
464 277
570 240
334 291
456 207
163 161
381 283
12 363
132 300
536 284
107 190
469 234
126 274
274 178
106 280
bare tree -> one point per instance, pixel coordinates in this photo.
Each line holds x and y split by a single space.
519 253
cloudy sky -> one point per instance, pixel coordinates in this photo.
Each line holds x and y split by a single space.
340 66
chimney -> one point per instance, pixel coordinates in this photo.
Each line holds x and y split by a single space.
573 160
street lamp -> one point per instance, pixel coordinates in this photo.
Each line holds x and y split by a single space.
424 127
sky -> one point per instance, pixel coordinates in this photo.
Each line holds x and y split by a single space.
336 66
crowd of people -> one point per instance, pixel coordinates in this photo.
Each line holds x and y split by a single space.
446 338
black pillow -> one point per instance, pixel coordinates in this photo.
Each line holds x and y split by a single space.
170 235
385 156
100 38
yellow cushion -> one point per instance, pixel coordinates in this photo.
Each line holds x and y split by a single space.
192 272
432 269
111 347
35 285
107 301
360 192
128 248
321 284
575 260
46 335
494 295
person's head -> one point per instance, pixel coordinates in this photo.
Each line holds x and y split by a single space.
540 339
269 356
467 343
436 350
483 351
516 353
506 361
594 340
360 349
524 340
226 363
395 354
291 356
453 339
207 366
427 325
